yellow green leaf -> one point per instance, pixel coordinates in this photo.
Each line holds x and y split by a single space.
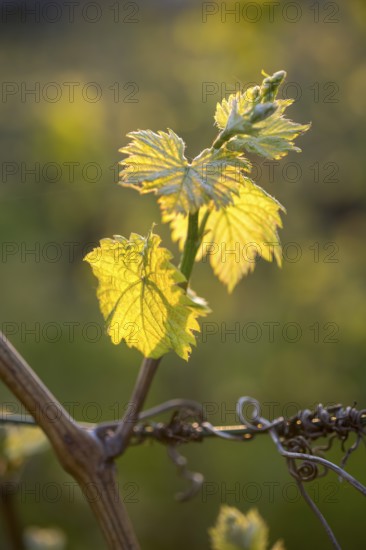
140 298
156 163
236 235
237 531
273 138
254 121
244 102
241 232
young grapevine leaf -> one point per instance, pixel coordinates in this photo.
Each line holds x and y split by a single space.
237 531
273 138
236 235
253 121
140 298
156 163
237 105
242 232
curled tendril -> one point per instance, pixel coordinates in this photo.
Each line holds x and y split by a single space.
195 479
188 408
256 422
306 471
178 432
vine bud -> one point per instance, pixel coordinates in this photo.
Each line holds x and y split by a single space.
262 111
270 86
253 94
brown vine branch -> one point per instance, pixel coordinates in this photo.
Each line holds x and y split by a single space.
79 451
120 436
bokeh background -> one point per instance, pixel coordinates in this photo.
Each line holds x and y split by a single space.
159 65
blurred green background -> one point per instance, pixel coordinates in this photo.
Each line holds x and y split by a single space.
165 65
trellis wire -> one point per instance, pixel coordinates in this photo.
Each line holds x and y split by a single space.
293 438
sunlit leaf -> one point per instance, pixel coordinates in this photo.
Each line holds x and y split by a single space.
237 531
140 298
273 138
242 232
156 163
257 125
245 102
238 234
